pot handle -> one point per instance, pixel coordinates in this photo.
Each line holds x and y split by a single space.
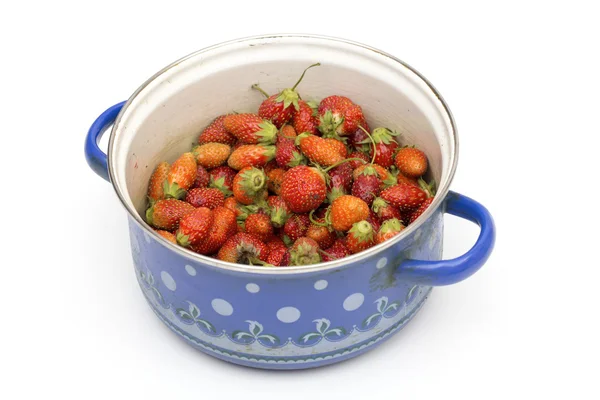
447 272
95 157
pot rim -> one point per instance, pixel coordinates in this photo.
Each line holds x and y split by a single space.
354 258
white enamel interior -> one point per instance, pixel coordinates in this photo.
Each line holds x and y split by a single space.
163 118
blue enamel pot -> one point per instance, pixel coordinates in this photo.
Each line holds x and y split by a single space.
293 317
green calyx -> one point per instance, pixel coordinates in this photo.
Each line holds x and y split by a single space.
289 97
253 182
183 240
369 171
297 159
172 190
219 183
362 231
302 136
268 151
383 135
314 107
304 254
149 215
334 193
279 217
378 205
329 124
428 188
390 181
267 133
391 225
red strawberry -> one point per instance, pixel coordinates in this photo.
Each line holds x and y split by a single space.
243 248
165 214
339 116
360 237
155 187
386 178
181 176
305 251
167 235
335 252
411 162
194 226
232 204
346 210
279 257
287 154
406 197
249 185
357 163
318 150
320 233
305 119
275 243
251 155
385 146
270 166
303 189
211 155
417 213
374 220
366 185
250 128
385 210
259 225
222 178
275 179
358 137
280 212
296 226
277 108
216 133
202 178
341 176
223 227
388 230
205 197
409 181
288 132
341 147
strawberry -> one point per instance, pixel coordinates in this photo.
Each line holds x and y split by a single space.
223 227
202 178
411 162
216 133
374 220
205 197
347 210
296 226
250 128
155 187
385 146
404 179
243 248
334 193
357 163
275 178
280 212
386 178
320 233
358 137
406 197
279 257
385 210
341 176
181 176
259 225
270 166
211 155
341 147
321 151
275 243
249 185
417 213
303 188
287 131
167 235
251 155
366 185
305 251
360 237
388 230
287 154
277 107
194 226
335 252
339 116
232 204
305 119
165 214
222 178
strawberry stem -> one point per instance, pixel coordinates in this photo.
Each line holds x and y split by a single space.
302 76
314 221
256 87
326 253
343 161
372 142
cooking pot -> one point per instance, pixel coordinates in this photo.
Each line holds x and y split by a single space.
288 317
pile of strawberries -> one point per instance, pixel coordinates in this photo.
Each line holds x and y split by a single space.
297 183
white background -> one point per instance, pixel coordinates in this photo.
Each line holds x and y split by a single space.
522 80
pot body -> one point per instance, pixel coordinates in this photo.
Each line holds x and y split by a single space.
284 321
292 317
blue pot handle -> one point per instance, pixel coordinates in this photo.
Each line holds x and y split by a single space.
94 156
447 272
